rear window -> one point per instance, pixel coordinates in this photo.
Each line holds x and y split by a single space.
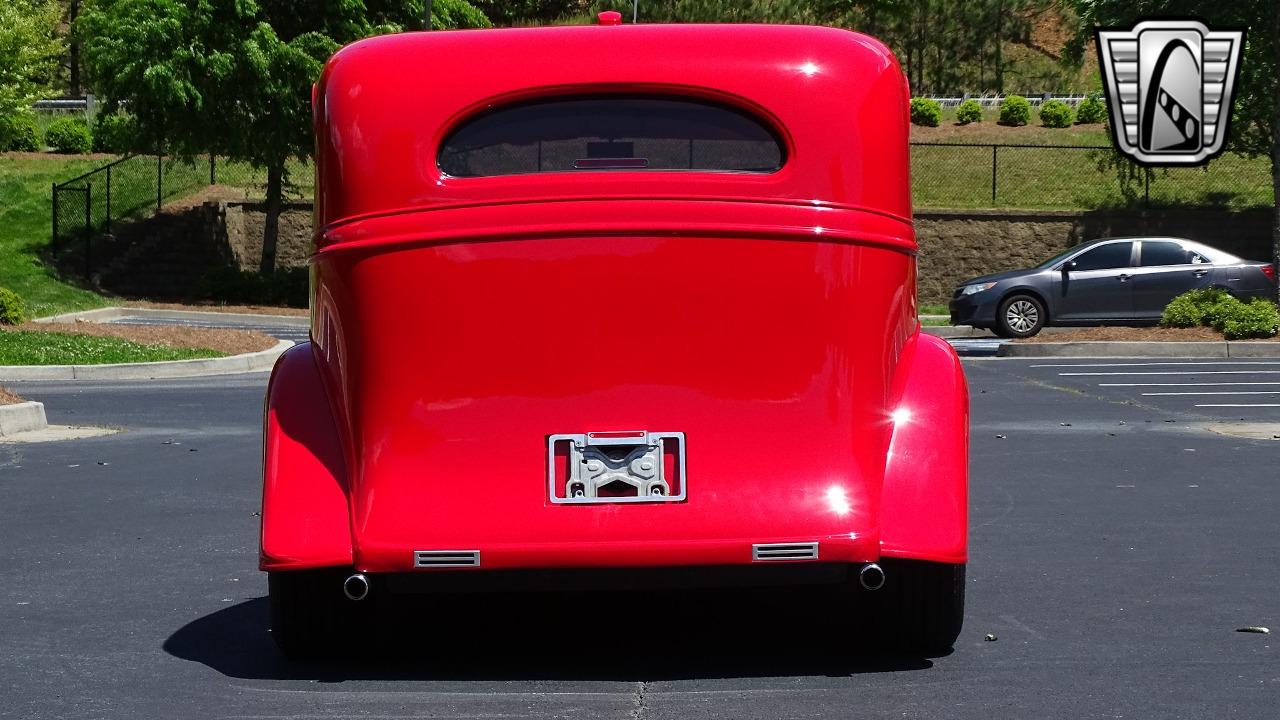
1156 253
610 133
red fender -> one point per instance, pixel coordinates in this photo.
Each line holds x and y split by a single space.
305 518
924 504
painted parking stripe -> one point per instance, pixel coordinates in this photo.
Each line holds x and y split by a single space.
1147 364
1185 372
1243 405
1223 392
1202 384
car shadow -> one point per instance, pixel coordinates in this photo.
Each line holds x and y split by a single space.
620 637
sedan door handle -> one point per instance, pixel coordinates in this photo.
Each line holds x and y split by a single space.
1199 273
1123 278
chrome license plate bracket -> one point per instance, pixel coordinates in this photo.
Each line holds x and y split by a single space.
630 466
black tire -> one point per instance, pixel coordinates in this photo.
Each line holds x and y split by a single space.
920 609
1020 316
311 618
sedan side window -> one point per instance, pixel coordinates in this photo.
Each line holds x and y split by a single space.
1155 253
1107 257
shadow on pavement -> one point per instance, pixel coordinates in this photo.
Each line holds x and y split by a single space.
620 637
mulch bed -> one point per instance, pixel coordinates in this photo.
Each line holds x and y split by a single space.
231 342
250 309
1132 334
7 397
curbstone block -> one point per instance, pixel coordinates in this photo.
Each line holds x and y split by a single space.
21 417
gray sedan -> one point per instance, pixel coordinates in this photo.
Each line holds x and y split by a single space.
1115 281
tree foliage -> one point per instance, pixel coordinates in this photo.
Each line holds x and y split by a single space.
233 77
29 51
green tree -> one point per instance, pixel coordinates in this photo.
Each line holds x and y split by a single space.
29 51
233 77
1255 120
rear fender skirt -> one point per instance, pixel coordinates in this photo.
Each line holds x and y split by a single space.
924 501
305 512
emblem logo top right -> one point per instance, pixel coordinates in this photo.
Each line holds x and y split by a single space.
1169 86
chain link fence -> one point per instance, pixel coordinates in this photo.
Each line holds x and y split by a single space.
1077 177
137 186
944 175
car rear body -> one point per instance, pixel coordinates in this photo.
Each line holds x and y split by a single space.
759 323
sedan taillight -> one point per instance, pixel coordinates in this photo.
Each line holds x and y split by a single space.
1270 272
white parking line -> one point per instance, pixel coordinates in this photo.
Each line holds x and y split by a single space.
1181 372
1223 392
1243 405
1147 364
1205 384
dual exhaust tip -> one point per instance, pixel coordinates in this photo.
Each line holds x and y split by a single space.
356 587
871 577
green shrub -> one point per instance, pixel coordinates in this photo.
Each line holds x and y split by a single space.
925 111
969 112
12 310
114 133
1056 114
1257 319
286 286
1197 307
1218 309
20 133
69 135
1015 110
1091 110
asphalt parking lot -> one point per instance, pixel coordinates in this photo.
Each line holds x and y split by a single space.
1117 544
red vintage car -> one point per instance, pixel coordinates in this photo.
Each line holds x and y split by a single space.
615 301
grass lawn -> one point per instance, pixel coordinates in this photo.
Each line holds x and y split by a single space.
1048 176
21 347
25 182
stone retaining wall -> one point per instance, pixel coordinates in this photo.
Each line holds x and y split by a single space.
954 244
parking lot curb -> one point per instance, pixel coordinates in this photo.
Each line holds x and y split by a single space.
950 332
115 313
1211 349
22 417
234 364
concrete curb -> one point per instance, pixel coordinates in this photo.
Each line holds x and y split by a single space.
950 332
247 362
21 417
1210 349
115 313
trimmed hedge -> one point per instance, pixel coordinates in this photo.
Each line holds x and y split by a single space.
114 133
1091 110
969 112
1056 114
1218 309
68 135
12 310
925 111
19 133
1015 110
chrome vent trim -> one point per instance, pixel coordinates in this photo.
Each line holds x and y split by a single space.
784 551
446 558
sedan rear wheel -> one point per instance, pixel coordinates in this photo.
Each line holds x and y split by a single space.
1020 316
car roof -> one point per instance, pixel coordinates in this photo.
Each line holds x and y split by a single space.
837 99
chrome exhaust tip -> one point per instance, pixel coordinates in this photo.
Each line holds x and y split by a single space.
356 587
871 577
